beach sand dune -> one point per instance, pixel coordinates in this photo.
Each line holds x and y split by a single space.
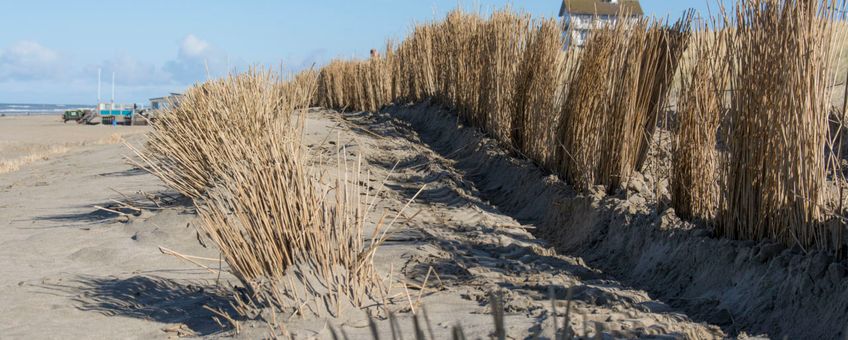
74 270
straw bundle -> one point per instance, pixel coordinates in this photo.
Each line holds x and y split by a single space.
234 146
184 150
694 166
539 92
504 38
780 57
642 67
583 112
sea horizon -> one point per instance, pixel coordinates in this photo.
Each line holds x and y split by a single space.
22 109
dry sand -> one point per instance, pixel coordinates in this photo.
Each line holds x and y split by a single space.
26 139
73 271
65 265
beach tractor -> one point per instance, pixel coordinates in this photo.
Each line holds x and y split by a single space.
80 117
74 115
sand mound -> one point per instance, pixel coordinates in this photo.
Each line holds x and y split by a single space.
741 286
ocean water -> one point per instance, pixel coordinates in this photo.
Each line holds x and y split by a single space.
39 109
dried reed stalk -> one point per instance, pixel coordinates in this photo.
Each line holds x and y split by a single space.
583 112
418 79
505 37
642 69
694 166
590 113
285 240
234 146
781 61
539 92
618 86
591 118
184 148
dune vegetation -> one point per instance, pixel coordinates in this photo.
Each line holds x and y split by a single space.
748 98
588 113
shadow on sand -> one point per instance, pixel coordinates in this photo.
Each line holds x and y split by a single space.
128 205
153 298
126 173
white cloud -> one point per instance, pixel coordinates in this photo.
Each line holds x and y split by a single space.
130 71
30 71
27 60
196 60
193 47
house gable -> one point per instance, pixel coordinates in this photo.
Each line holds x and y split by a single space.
600 7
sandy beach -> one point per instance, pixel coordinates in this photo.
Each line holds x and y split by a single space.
30 138
573 169
73 270
84 235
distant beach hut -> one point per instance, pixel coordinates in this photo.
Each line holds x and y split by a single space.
165 102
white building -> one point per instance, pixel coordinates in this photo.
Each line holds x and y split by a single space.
582 16
162 103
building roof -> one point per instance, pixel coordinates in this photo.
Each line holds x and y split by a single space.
600 7
173 95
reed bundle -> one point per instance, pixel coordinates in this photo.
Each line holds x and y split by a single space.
590 113
504 39
234 146
289 239
583 112
184 150
417 80
780 57
508 75
291 236
540 89
365 85
619 84
459 48
694 166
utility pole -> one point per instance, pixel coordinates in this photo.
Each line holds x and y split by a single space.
113 92
99 100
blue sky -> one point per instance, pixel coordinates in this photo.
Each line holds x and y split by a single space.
50 50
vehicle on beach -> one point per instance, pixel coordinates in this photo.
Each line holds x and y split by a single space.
80 116
74 115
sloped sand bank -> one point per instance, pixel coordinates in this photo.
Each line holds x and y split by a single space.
72 270
758 288
485 222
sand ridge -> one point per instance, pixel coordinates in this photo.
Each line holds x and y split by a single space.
746 287
78 272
